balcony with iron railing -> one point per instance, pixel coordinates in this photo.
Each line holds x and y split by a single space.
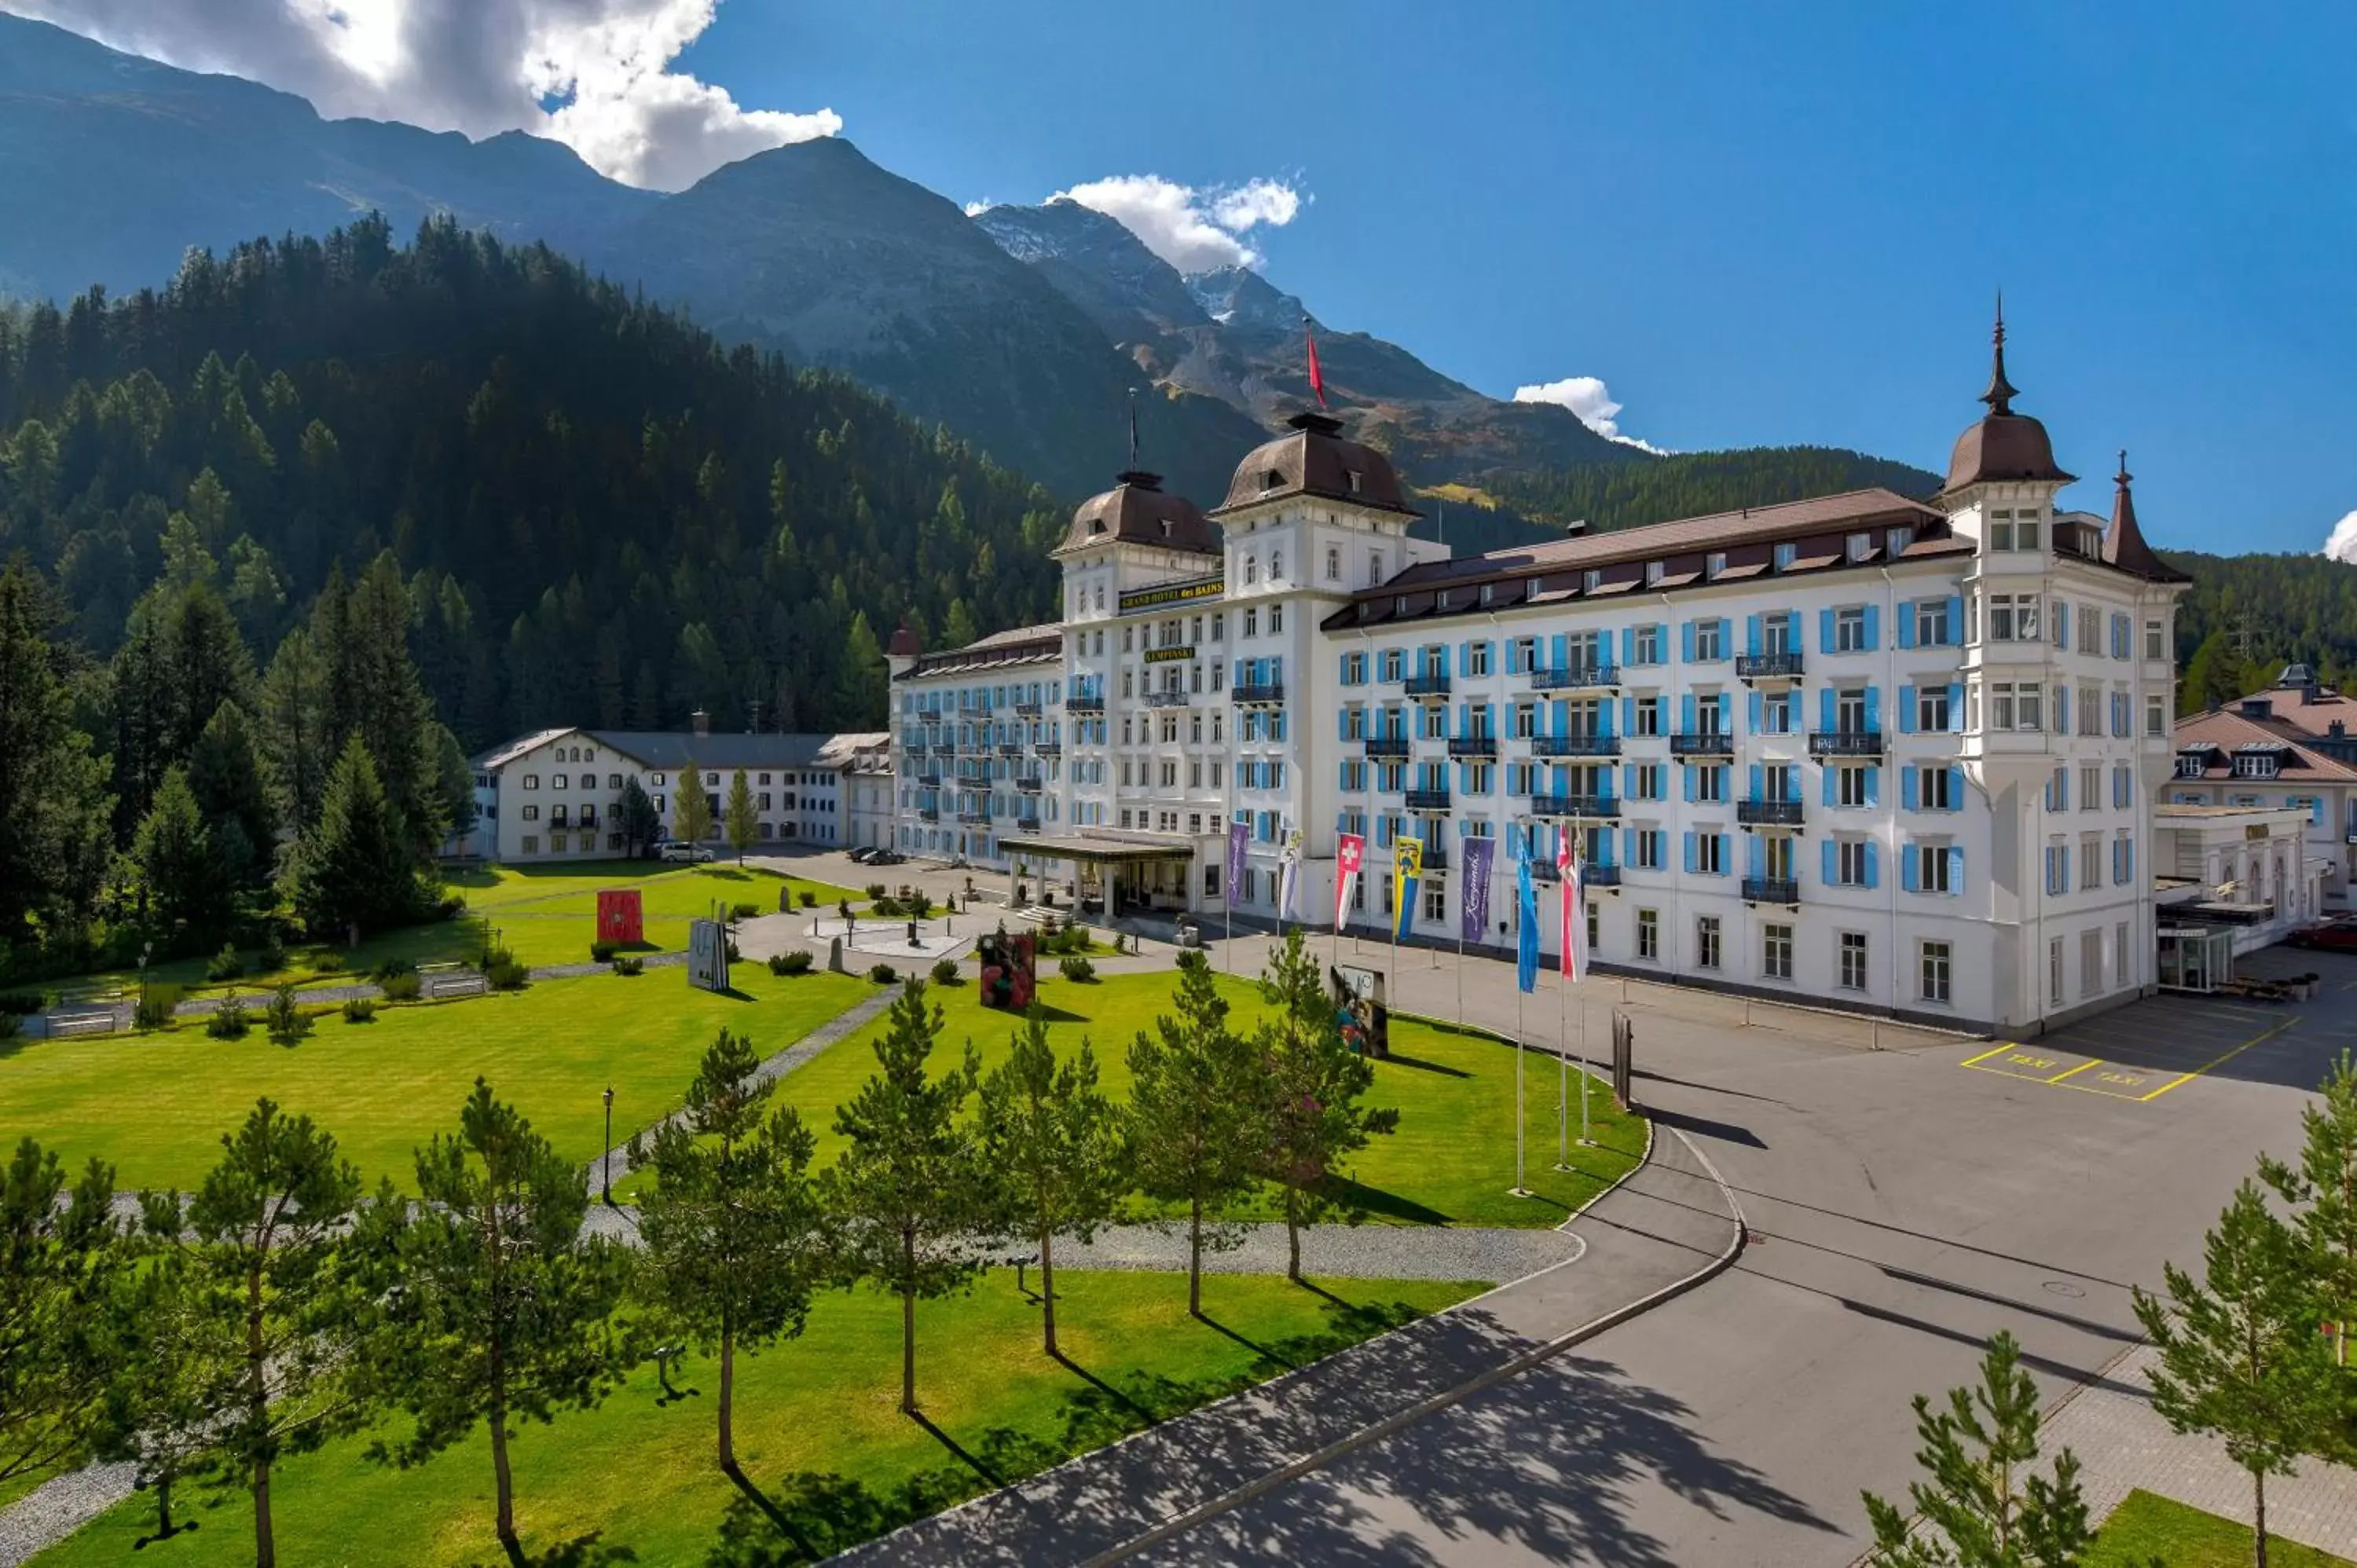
1783 666
1026 710
1573 677
1474 746
1427 686
1166 699
928 814
1598 806
1047 748
1845 743
1029 783
1770 890
975 816
1257 692
930 781
1768 813
1599 875
1435 854
1086 703
1706 743
1428 801
1576 745
1386 744
1010 748
1027 824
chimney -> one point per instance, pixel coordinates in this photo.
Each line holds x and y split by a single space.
2336 730
700 721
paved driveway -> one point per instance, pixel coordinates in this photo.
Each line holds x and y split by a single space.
1906 1203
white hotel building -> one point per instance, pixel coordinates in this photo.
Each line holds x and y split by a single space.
1861 750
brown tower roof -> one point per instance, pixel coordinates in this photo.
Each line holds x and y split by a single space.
2124 545
904 643
1315 461
2003 445
1137 510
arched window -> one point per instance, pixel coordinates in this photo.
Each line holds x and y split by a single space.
1276 564
1252 569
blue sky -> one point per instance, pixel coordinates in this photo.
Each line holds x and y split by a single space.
1757 224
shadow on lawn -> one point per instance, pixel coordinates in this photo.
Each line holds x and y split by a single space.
812 1516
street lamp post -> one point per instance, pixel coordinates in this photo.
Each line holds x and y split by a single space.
147 951
609 1183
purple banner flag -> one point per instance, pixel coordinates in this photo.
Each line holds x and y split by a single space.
1475 897
1238 835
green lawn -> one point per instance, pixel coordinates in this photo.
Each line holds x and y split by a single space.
157 1105
1451 1162
817 1431
546 915
2146 1529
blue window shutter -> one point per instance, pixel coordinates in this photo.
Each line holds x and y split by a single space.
1825 631
1629 780
1828 772
1628 645
1906 868
1689 841
1874 786
1873 627
1342 722
1873 709
1687 641
1562 651
1756 858
1559 714
1627 716
1604 716
1957 706
2061 624
1689 772
1906 710
1751 722
1907 626
1629 846
1686 713
1726 714
1957 868
1827 869
1757 793
1826 708
1873 871
1907 788
1750 634
1955 620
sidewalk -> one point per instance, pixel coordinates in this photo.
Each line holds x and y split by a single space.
2111 1426
1671 1225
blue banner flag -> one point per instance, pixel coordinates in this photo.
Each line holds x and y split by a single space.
1526 922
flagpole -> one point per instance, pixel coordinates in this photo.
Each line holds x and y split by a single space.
1519 1190
1584 1141
1562 1075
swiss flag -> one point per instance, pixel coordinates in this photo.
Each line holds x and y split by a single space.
1350 852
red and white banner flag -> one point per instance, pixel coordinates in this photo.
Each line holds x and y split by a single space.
1575 909
1317 378
1349 854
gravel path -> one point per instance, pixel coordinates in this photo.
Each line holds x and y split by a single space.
58 1507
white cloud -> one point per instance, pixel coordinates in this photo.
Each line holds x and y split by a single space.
1195 229
594 74
977 209
2342 544
1588 397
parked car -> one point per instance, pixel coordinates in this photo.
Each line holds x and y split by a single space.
864 854
680 852
887 857
2336 936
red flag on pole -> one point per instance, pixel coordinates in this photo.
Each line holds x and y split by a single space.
1317 381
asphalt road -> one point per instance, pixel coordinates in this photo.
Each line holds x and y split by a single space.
1905 1203
1905 1206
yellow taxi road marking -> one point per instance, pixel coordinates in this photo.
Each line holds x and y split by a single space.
2074 1072
1985 1055
2222 1061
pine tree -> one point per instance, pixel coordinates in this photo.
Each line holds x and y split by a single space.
909 1187
179 872
636 818
862 695
54 809
353 871
1310 1087
2322 1191
1981 1504
1054 1142
291 731
735 1239
264 1229
2240 1354
503 1310
744 826
175 1353
60 1257
1194 1100
691 807
225 775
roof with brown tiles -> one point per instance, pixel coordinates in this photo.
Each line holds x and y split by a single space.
2227 732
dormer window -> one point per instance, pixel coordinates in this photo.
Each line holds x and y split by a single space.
1713 564
1354 476
1530 588
1785 556
1441 602
1652 574
1272 480
1165 528
1898 539
1858 546
1590 580
1485 591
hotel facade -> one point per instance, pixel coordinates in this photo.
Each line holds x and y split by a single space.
1863 750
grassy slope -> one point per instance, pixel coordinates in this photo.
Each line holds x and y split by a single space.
2146 1529
642 1475
157 1105
1451 1161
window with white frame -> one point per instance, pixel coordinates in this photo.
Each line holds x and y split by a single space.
1850 861
1648 934
1648 716
1851 973
1932 866
2017 705
1934 970
2013 617
1647 645
1705 942
1849 629
2155 716
2090 629
1850 786
1935 788
1776 951
1710 854
1931 629
1476 659
1931 714
2155 645
2057 868
1710 640
1649 848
